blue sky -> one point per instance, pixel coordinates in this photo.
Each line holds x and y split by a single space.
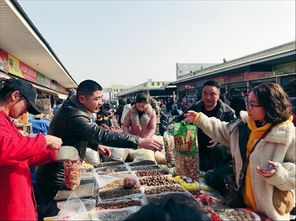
128 42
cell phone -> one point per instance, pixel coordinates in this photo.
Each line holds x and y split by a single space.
267 168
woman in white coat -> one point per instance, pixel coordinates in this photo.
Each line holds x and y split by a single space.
269 184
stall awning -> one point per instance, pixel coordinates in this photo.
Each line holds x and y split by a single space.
47 90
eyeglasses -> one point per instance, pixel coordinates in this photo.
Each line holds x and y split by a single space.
251 106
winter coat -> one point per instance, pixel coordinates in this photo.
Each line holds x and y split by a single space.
211 158
143 126
73 125
279 145
17 153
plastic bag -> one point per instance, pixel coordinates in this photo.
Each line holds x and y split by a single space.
103 180
169 146
186 150
92 157
72 174
141 154
73 209
119 153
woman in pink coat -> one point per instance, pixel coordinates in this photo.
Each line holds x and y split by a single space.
18 152
141 118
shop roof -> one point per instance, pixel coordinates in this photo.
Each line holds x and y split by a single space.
272 56
20 38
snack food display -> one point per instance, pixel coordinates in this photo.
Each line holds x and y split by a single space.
186 150
111 169
151 173
129 183
235 214
186 183
163 189
169 146
142 163
72 174
155 181
118 204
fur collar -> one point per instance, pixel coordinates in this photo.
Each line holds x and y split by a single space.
145 118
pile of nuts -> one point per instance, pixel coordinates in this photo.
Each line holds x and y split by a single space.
187 166
162 189
119 192
129 183
118 205
156 181
151 173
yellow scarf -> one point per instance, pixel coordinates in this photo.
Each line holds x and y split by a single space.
256 133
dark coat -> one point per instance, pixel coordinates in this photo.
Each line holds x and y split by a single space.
73 125
211 158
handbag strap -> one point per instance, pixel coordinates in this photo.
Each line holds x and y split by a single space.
245 164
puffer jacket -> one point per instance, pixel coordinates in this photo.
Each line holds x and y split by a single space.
279 145
73 124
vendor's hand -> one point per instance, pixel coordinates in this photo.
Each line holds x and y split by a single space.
190 116
151 144
212 144
53 142
104 150
270 171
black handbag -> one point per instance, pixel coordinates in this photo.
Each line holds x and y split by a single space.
234 193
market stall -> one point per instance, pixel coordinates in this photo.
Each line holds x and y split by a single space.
114 190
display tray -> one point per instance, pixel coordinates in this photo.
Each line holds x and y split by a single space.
119 204
111 169
147 167
142 163
109 163
114 215
155 172
82 191
158 180
117 193
163 189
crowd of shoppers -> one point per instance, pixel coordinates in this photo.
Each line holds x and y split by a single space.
223 131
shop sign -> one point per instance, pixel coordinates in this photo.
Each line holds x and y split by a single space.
3 61
187 86
231 78
14 66
285 68
28 73
40 79
258 75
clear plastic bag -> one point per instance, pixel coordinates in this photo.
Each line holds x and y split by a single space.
169 146
74 209
72 174
92 157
